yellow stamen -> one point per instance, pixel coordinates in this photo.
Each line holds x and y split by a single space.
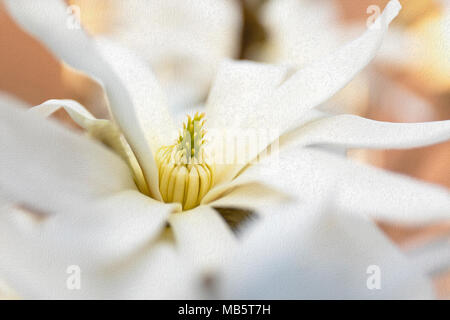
184 174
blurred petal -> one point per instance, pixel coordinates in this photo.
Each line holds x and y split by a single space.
252 197
319 255
77 112
286 100
48 22
148 100
320 80
97 233
159 273
103 130
351 131
183 41
49 169
232 103
36 257
300 31
308 174
236 91
253 96
202 236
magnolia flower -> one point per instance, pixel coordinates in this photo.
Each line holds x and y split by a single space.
184 41
304 253
124 199
301 31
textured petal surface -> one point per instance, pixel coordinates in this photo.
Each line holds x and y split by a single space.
183 41
202 236
100 238
254 96
299 253
47 21
49 169
103 130
308 174
349 131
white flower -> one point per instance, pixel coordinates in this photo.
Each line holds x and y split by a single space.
302 31
303 253
184 41
96 216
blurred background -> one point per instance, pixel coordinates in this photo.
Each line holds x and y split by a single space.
185 40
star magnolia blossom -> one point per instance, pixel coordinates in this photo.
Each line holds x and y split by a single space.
107 212
183 40
314 255
301 31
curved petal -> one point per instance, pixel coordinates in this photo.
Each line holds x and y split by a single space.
351 131
319 81
172 36
98 238
236 91
252 197
49 169
147 97
48 22
159 273
254 96
103 130
309 174
100 232
301 253
202 236
272 96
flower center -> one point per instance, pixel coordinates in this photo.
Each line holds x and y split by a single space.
184 174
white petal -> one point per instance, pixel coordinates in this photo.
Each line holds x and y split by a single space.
272 100
98 238
156 273
48 21
300 253
49 169
202 236
236 91
103 130
310 175
254 96
299 31
319 81
76 111
171 35
147 97
351 131
252 197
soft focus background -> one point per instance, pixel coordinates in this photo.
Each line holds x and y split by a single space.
409 82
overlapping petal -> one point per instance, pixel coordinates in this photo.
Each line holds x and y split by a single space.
350 131
314 255
307 174
280 99
50 169
103 130
39 258
47 21
203 236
